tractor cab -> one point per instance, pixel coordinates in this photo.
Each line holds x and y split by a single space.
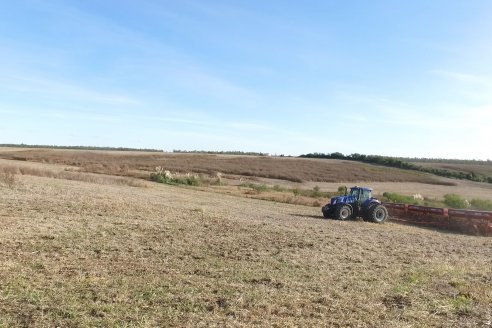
361 194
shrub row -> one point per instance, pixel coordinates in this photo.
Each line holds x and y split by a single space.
397 198
401 164
455 201
189 180
450 201
314 193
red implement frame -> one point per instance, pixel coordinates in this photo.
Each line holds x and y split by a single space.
471 222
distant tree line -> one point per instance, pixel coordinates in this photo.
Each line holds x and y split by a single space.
80 147
402 164
233 152
446 161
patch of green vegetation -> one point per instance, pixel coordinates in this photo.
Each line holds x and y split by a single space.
397 198
317 192
189 180
455 201
462 303
410 281
342 190
450 201
255 186
481 204
278 188
312 193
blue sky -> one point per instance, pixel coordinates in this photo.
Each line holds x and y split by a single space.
403 78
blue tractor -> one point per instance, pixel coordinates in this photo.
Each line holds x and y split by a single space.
359 202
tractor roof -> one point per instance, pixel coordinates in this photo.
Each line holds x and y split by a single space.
358 187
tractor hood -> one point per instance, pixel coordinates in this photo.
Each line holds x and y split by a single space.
350 200
343 199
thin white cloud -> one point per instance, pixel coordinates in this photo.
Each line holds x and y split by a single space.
150 58
204 82
216 123
463 77
473 89
42 112
47 87
449 105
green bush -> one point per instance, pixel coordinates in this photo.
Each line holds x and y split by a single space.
189 180
455 201
342 190
278 188
255 186
160 178
260 187
481 204
316 193
397 198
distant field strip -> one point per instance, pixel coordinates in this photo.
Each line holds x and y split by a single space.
14 168
140 164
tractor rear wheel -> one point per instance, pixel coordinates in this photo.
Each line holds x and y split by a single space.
343 212
367 212
378 214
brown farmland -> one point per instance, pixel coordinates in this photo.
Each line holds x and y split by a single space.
302 173
283 168
82 249
78 254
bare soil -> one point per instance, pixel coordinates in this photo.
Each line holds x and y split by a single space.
90 254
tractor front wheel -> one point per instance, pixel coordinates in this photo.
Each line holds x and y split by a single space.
378 214
327 211
343 212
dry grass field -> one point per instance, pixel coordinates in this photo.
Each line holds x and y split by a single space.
300 173
83 248
140 164
482 169
86 254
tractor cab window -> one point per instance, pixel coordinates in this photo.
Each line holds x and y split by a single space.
355 192
365 195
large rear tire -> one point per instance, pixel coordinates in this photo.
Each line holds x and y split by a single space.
344 212
367 212
378 214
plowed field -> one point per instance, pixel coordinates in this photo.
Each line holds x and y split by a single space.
91 254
